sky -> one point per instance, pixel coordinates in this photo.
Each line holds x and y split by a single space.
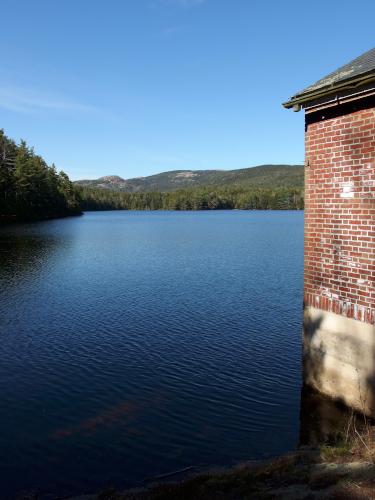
137 87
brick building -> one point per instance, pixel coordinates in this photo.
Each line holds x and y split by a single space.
339 279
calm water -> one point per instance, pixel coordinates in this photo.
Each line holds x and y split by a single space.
134 344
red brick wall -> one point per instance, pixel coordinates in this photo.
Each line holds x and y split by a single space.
340 215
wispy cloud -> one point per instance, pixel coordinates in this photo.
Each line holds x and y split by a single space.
22 100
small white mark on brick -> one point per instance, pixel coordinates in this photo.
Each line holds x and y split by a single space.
347 190
325 292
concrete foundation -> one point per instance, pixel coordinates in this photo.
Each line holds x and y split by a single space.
339 358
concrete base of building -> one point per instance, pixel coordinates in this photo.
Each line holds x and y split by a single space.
339 358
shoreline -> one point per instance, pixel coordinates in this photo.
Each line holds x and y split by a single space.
13 219
302 474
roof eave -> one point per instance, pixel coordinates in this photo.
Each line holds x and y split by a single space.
304 98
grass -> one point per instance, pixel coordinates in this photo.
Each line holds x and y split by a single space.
332 453
356 441
246 481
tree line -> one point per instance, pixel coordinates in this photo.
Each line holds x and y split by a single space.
202 198
29 188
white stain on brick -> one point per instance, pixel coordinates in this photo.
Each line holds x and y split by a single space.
347 190
348 260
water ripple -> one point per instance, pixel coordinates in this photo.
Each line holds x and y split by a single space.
139 343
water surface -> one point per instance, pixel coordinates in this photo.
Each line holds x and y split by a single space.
138 343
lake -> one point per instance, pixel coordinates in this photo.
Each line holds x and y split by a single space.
134 344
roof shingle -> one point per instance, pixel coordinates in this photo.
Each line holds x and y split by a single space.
362 65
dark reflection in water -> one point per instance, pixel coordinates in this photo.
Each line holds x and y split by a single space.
134 344
20 254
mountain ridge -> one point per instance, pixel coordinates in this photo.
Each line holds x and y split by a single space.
266 176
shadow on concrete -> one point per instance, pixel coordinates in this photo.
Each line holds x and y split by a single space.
339 359
312 359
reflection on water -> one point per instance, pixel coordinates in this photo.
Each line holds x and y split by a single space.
19 254
134 344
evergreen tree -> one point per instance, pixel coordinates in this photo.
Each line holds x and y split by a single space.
29 188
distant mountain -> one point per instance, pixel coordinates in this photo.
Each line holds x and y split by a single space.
265 176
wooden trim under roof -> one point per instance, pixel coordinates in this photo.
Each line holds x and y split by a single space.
334 93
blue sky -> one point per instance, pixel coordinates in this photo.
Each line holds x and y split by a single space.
136 87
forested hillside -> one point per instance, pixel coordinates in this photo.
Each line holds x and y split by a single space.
263 176
29 188
278 187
